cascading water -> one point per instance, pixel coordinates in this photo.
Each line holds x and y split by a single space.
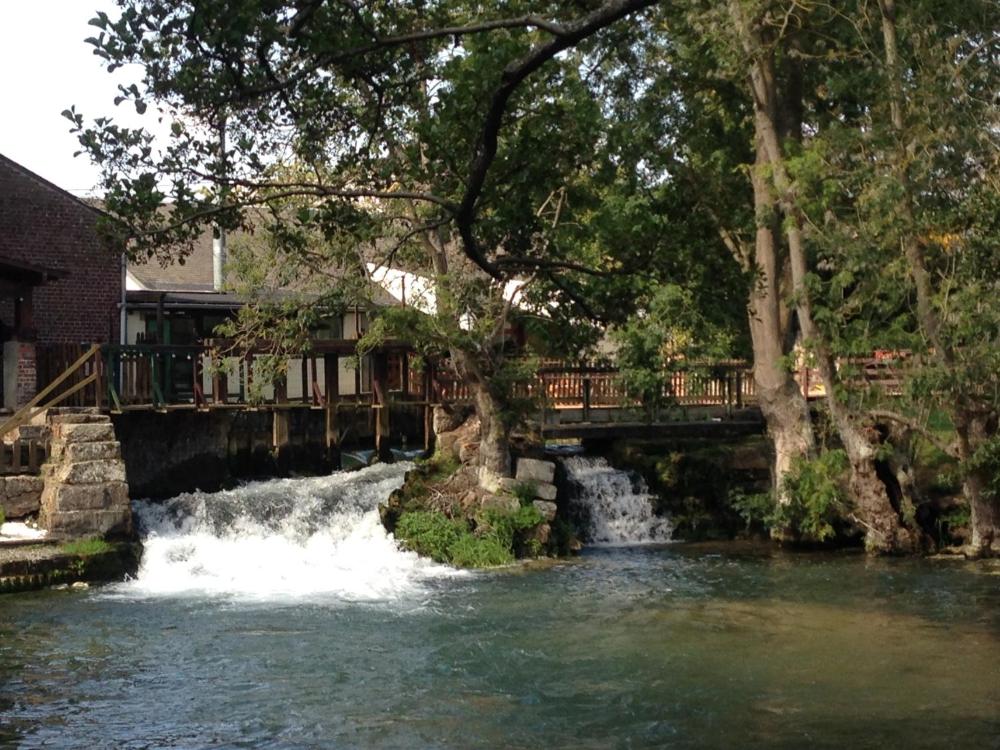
285 537
614 506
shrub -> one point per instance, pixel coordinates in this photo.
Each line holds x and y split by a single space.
430 533
446 540
816 497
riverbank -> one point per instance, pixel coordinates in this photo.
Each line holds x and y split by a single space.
38 564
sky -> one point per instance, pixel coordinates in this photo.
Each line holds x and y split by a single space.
45 66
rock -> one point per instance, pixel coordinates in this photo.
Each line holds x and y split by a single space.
540 534
89 472
468 501
545 491
468 452
546 508
83 433
533 470
79 585
508 484
448 419
105 496
503 503
87 523
72 452
489 480
20 495
79 418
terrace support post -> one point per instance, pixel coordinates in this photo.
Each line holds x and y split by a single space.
281 438
380 390
404 375
331 375
220 379
429 398
586 399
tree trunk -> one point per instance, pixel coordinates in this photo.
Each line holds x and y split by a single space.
781 401
883 531
494 436
984 509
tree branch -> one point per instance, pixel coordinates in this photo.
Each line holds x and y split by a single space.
916 427
512 77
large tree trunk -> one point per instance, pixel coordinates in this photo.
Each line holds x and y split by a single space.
781 400
984 509
494 436
884 532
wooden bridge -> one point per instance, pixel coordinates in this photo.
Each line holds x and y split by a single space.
572 400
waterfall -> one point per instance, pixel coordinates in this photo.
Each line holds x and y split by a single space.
613 506
285 537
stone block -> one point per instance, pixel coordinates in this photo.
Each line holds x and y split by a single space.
102 451
20 496
545 491
546 508
83 433
80 418
533 470
71 497
89 472
87 523
504 503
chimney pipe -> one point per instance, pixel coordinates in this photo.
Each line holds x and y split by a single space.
218 233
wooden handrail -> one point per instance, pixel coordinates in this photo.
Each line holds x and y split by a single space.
25 413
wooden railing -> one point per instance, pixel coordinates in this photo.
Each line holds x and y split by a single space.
176 377
83 374
727 384
23 456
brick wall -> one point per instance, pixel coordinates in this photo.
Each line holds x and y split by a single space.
45 226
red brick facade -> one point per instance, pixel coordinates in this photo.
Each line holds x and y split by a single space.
42 225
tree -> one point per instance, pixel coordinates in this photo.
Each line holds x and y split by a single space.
393 133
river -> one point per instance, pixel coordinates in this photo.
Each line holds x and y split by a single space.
280 615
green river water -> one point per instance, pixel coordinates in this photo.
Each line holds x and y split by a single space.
257 624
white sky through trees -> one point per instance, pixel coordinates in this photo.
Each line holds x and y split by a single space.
45 66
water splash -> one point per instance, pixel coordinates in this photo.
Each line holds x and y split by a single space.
614 506
280 538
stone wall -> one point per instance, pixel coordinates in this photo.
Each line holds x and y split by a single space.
167 454
20 495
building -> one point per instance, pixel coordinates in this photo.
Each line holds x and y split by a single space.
60 276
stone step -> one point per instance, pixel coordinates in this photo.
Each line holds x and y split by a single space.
83 433
87 523
86 418
73 452
85 472
62 498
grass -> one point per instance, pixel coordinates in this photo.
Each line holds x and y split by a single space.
451 541
85 547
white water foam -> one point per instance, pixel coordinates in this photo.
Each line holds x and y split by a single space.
280 538
617 508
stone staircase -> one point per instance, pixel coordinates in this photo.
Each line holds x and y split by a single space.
85 492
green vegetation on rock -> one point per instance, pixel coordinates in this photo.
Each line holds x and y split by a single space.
85 547
489 540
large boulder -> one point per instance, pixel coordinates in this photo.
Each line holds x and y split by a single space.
533 470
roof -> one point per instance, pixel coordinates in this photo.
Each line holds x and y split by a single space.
50 186
192 274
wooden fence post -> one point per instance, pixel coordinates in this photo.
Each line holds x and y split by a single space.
380 391
331 376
